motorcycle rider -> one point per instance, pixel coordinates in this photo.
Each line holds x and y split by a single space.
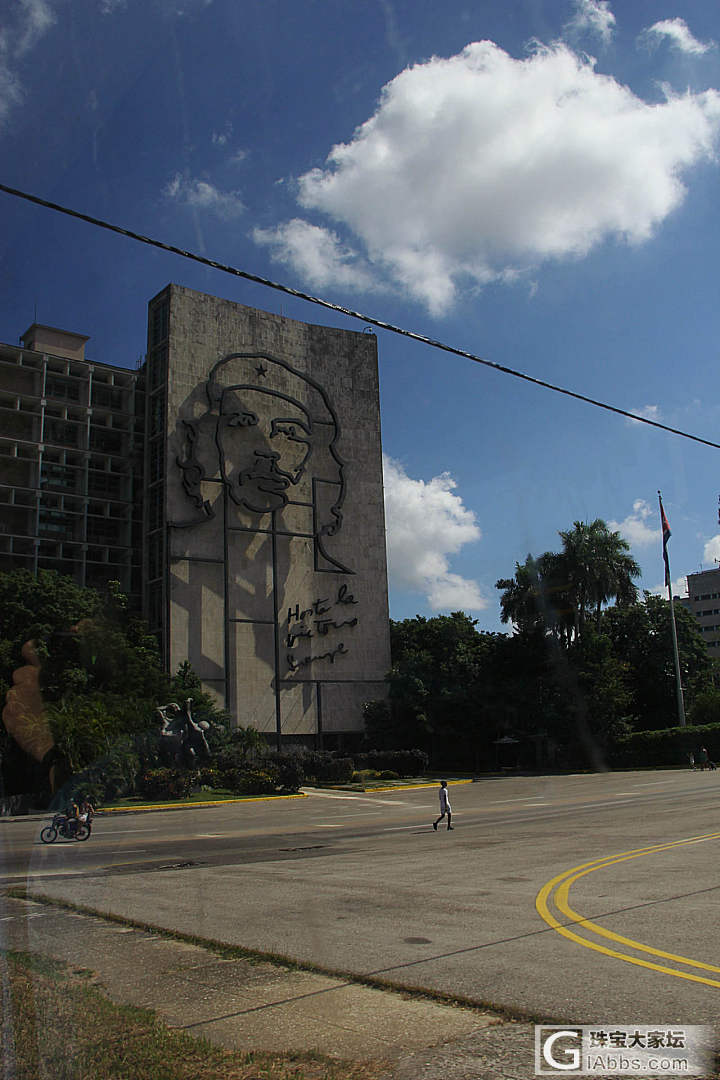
73 818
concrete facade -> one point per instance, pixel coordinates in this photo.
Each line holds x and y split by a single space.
703 600
265 535
71 480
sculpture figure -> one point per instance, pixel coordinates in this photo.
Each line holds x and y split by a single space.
182 739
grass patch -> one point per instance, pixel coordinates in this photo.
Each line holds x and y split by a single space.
214 795
257 956
55 1026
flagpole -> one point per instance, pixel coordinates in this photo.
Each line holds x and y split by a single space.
668 582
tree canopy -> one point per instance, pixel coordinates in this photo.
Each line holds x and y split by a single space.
559 592
98 673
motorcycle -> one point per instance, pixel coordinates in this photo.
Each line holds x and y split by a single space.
67 828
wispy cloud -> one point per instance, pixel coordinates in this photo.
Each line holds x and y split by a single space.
649 412
427 523
679 588
222 138
593 16
637 527
316 254
711 551
23 24
677 33
204 196
479 167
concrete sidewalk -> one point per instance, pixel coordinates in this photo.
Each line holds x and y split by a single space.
247 1005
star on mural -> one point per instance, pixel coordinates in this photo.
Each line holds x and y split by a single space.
261 370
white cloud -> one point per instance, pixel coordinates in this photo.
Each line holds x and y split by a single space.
679 588
636 527
37 16
221 138
677 33
426 523
316 254
711 551
594 16
24 24
204 196
478 167
649 412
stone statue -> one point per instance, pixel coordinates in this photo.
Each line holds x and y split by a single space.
182 739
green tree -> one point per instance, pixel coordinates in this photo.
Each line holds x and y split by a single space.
641 636
100 680
536 597
598 567
436 688
559 591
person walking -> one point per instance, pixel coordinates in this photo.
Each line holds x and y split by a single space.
445 807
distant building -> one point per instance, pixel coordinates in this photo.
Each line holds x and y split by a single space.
703 600
233 485
70 461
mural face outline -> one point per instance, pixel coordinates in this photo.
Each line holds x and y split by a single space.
261 484
263 455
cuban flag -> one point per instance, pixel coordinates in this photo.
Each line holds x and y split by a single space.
666 536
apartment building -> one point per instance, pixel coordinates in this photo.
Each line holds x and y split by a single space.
703 600
71 468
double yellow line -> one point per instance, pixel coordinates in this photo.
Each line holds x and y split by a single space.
557 892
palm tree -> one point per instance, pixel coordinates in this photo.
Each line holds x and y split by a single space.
536 599
556 592
520 601
598 567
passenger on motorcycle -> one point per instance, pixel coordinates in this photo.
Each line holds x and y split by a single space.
73 818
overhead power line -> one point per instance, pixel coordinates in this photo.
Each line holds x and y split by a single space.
369 319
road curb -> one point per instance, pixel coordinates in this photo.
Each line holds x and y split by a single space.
44 815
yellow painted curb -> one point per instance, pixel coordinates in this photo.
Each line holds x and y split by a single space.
196 805
414 787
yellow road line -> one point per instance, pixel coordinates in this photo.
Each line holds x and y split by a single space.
562 883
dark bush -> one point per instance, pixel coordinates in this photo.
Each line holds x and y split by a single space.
337 770
667 747
389 774
254 781
403 762
158 784
209 777
287 767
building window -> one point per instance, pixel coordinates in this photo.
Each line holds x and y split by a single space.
155 551
159 323
62 476
62 389
108 397
155 509
157 413
157 363
157 461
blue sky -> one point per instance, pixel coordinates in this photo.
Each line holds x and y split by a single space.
533 181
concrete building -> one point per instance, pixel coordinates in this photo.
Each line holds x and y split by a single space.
70 461
234 483
703 600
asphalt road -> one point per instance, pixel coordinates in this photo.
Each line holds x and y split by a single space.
362 883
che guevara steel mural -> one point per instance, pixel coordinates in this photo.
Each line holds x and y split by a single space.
268 435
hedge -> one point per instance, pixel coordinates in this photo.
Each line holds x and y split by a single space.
668 747
403 762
